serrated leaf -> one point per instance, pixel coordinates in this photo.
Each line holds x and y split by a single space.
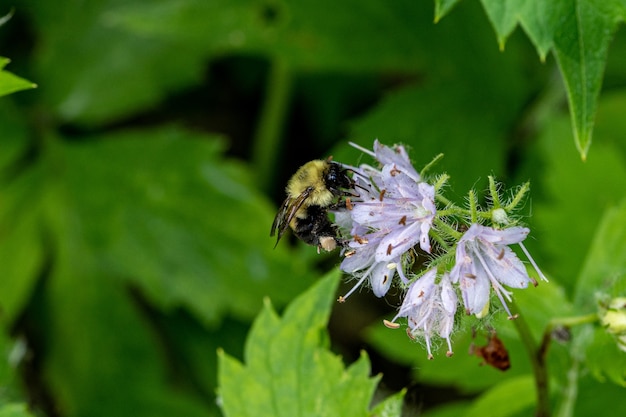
539 19
172 217
442 7
390 406
581 42
158 209
10 83
578 32
288 368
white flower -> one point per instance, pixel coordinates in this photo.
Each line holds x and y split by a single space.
393 213
430 308
484 261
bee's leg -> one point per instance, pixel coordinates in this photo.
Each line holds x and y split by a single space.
339 205
316 229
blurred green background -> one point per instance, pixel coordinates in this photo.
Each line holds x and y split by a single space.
139 181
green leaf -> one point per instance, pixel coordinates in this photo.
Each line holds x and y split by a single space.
288 368
603 270
605 360
12 352
10 83
102 357
390 406
602 278
430 122
508 398
15 410
573 190
308 35
170 216
22 255
592 396
581 42
537 305
539 19
158 209
442 7
578 32
449 409
122 75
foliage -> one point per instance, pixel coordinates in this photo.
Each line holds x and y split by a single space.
139 181
289 371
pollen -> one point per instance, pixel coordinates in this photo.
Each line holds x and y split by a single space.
360 240
391 324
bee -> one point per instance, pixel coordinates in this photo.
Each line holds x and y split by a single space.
314 189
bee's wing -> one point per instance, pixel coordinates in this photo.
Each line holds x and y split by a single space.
287 211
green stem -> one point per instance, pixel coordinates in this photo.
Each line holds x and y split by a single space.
493 190
537 361
446 228
430 164
271 121
518 197
473 203
571 321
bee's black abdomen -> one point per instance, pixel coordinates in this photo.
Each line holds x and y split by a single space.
315 226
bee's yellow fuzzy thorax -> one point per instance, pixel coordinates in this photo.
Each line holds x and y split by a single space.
312 175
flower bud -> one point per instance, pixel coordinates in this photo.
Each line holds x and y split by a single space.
614 318
499 216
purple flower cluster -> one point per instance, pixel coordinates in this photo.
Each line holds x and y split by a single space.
393 214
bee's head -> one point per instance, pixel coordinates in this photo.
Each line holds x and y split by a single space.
337 178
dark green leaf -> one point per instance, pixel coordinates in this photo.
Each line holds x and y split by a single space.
22 255
92 72
308 35
161 210
100 349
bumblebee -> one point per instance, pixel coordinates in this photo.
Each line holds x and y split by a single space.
314 189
